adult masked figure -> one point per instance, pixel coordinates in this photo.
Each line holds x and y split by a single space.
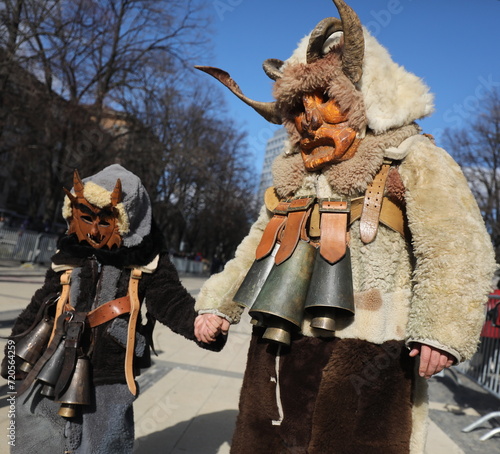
81 341
369 265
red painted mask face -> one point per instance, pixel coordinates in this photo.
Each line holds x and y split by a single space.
96 226
326 137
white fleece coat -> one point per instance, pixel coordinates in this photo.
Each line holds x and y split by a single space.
431 290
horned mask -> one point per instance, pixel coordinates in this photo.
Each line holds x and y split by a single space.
98 226
320 123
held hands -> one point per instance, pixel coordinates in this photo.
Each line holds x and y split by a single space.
432 360
208 326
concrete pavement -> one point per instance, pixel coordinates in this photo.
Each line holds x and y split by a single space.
189 397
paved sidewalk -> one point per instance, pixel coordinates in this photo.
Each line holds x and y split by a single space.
189 397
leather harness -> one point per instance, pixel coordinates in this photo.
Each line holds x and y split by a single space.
329 219
129 304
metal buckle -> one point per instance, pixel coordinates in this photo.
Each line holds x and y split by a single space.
344 208
295 204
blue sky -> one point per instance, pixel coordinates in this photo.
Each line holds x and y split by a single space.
454 46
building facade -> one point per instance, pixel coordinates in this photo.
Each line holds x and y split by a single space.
274 147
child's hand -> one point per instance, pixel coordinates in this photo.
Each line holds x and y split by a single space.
208 326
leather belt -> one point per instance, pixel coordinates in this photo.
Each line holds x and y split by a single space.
334 215
272 231
108 311
135 306
298 211
391 215
374 196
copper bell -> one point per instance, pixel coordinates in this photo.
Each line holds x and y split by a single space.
31 346
78 390
331 292
255 279
51 370
280 304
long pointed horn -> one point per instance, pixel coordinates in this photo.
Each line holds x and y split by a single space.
267 109
77 184
354 42
116 195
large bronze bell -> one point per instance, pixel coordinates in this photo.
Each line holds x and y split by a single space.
254 280
280 304
78 390
330 293
51 370
31 346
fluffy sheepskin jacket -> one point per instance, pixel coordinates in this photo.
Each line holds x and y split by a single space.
429 286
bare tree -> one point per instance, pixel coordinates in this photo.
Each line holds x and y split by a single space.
206 194
89 58
477 149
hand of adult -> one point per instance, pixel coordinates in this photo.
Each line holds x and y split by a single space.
432 359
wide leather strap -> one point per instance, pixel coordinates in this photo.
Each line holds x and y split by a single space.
74 329
294 227
63 299
271 231
135 306
334 214
108 311
372 205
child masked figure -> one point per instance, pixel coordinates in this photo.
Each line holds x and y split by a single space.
81 341
370 251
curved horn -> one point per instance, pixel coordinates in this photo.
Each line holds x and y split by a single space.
354 42
272 67
267 109
319 35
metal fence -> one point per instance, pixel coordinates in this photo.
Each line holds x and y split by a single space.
484 366
25 246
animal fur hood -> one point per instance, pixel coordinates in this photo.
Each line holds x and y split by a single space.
392 96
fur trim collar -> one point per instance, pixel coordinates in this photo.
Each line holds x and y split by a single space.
392 96
325 75
346 178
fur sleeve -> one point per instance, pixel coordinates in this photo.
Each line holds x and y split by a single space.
168 301
216 295
453 252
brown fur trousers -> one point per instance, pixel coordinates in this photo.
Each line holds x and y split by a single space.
338 396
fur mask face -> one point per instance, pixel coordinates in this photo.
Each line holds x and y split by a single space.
96 226
326 137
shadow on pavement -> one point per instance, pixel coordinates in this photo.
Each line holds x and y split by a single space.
204 434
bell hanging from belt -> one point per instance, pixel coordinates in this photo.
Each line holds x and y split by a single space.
280 304
255 279
51 370
331 292
31 346
78 390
